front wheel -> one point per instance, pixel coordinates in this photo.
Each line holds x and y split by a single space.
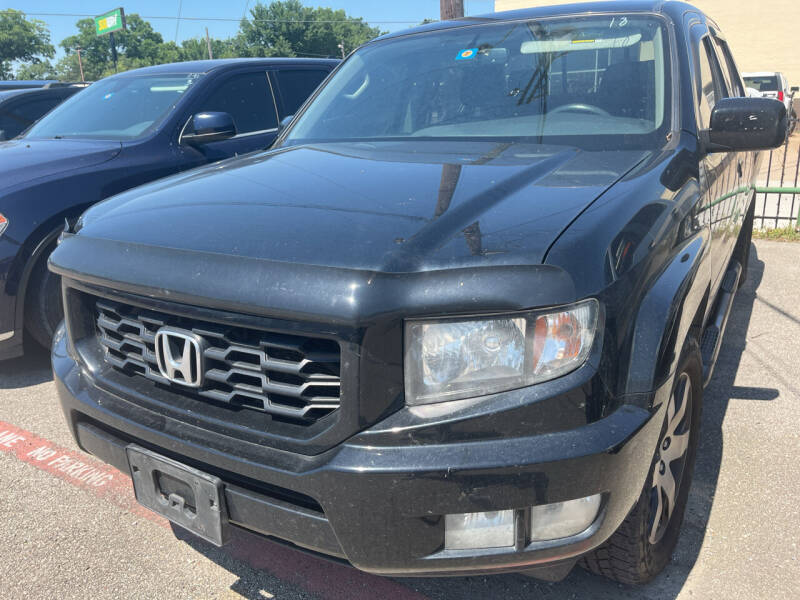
642 546
43 307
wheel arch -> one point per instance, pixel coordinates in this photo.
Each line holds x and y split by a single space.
673 309
32 250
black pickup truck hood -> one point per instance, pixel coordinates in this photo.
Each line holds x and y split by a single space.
28 160
384 207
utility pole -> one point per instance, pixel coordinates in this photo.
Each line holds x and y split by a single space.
113 44
208 43
451 9
80 62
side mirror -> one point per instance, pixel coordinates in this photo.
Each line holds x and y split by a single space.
208 127
746 124
795 89
285 122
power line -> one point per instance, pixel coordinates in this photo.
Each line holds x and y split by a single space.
178 22
228 20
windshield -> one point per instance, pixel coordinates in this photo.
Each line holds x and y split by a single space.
767 83
118 108
586 81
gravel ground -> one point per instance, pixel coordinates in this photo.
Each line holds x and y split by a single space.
739 541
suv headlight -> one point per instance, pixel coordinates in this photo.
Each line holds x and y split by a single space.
462 358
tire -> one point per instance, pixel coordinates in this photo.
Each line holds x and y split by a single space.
742 250
640 548
43 306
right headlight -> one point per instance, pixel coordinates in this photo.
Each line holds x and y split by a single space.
449 359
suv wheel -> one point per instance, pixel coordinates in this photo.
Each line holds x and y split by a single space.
643 545
43 310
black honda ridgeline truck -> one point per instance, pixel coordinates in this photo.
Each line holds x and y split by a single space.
459 318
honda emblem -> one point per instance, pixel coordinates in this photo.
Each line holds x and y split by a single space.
179 355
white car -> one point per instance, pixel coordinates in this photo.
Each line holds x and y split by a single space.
770 84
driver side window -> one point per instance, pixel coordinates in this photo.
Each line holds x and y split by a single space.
247 97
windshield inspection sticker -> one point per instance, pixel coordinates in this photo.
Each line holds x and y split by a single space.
467 54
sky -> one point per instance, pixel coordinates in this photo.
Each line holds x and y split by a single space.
222 16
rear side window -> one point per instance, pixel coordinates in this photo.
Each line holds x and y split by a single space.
711 85
296 85
35 110
729 69
248 99
17 119
763 84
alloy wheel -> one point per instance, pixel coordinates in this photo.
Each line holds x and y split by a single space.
671 458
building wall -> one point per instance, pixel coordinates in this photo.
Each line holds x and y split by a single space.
764 35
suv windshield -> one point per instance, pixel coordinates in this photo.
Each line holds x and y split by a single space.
598 81
118 108
768 83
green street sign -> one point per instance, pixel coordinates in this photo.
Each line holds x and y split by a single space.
110 22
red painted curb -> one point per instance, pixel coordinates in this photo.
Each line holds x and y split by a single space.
76 468
326 579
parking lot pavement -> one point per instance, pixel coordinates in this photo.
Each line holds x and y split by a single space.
63 536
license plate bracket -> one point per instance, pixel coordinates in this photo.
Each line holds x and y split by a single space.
187 497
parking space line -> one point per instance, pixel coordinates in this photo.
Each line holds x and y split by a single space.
76 468
326 579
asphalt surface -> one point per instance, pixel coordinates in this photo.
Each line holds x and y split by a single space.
740 537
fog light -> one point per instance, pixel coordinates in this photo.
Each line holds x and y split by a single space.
563 519
474 531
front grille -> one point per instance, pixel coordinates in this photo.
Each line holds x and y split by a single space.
290 376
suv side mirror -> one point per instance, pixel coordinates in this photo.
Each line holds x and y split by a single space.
746 124
208 127
795 89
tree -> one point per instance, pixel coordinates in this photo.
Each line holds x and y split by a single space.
138 46
43 69
197 49
287 28
22 39
283 28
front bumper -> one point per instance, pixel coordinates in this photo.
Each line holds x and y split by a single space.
380 502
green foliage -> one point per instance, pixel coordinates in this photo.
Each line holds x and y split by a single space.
138 46
782 234
22 39
287 28
43 69
197 49
282 28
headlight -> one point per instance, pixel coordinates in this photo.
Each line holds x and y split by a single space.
3 223
452 359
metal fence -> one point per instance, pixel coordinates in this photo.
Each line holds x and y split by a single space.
777 192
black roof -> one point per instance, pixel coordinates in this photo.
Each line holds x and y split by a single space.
624 6
206 66
19 84
6 94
